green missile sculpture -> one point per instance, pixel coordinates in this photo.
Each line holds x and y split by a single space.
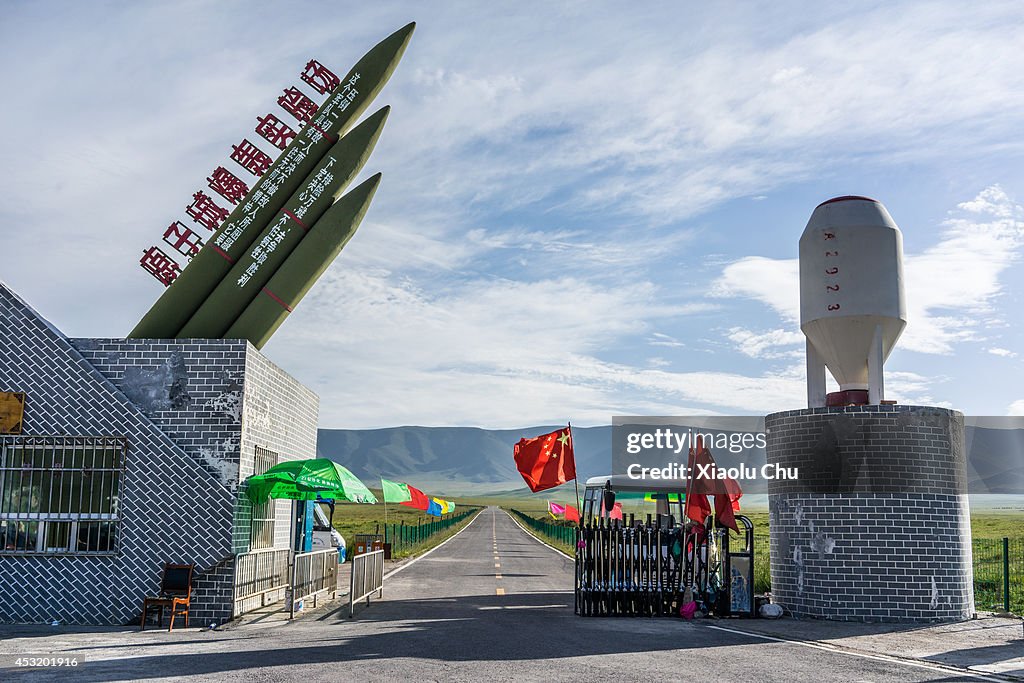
303 267
268 251
354 93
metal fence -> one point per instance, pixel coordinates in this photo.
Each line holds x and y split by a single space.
405 536
367 578
566 535
312 574
999 574
633 568
261 578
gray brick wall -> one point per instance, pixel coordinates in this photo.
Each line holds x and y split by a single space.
850 544
279 414
191 389
192 411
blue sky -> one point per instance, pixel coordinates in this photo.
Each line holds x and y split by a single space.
587 209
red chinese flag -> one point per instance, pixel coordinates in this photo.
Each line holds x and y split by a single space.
419 500
698 507
546 461
727 491
572 514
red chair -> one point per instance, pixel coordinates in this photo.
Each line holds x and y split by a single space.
175 592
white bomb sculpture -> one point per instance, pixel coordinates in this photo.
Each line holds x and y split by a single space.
852 305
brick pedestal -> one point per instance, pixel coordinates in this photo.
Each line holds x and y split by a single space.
877 527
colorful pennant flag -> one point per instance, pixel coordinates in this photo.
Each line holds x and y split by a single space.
395 491
572 514
434 509
446 505
546 461
556 509
417 499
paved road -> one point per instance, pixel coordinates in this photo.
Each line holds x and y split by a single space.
491 604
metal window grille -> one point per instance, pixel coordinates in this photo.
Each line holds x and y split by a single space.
60 494
263 515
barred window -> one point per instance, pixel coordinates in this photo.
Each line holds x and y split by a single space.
263 515
60 494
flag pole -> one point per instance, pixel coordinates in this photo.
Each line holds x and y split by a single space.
575 479
691 462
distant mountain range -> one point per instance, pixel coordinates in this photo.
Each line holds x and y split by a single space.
454 460
461 461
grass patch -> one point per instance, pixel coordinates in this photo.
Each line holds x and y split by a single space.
433 541
566 548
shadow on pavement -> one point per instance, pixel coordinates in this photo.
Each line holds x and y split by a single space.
469 628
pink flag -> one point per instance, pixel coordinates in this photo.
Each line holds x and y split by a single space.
556 509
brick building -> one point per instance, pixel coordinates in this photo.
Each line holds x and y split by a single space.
130 455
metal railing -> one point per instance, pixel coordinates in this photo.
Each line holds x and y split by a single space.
312 574
404 536
999 574
367 578
560 533
261 578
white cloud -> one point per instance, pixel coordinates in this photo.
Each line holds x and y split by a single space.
494 352
952 284
1016 408
769 344
1005 353
775 282
660 339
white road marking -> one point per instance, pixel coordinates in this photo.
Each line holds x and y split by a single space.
492 607
551 547
862 655
437 547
